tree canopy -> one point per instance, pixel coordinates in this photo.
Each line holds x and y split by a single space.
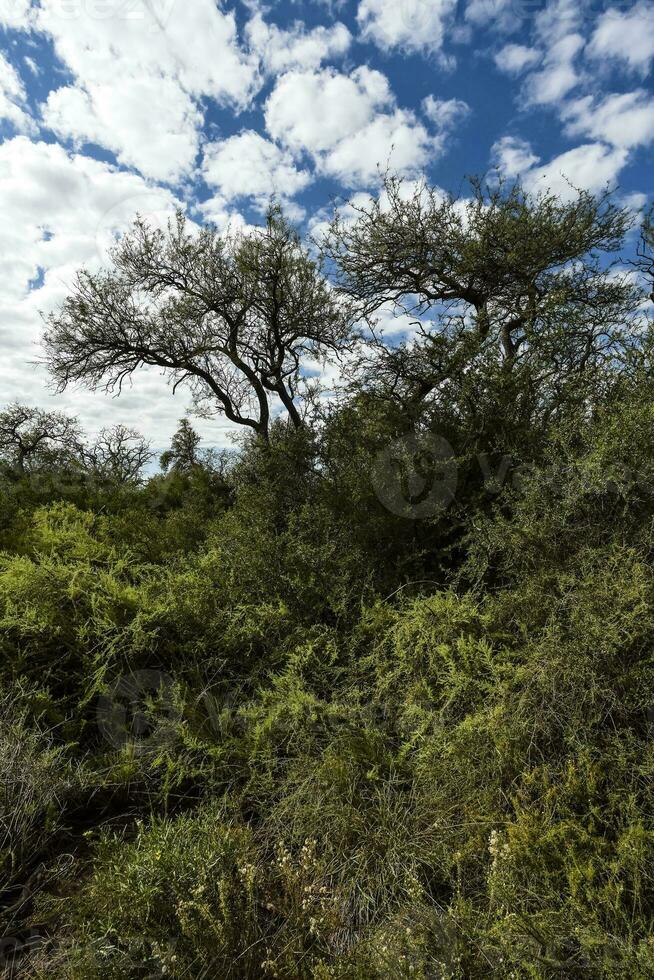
31 438
503 278
232 315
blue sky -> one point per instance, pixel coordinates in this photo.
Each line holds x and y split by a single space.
109 107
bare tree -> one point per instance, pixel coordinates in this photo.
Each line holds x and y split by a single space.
233 315
119 454
32 439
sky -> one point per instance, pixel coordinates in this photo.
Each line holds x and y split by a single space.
113 107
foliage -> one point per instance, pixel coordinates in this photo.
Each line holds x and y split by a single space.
257 724
31 439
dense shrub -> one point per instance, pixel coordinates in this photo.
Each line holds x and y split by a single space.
255 724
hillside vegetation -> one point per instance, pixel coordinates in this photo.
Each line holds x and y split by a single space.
370 697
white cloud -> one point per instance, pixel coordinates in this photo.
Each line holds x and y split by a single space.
413 25
296 48
32 65
558 75
319 221
625 120
636 202
60 211
513 156
626 35
217 211
196 44
515 58
445 113
127 58
119 116
393 141
313 111
248 165
348 124
558 19
559 40
15 14
500 15
349 210
56 208
13 97
589 167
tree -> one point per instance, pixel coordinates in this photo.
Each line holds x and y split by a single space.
233 315
183 455
32 439
119 454
514 288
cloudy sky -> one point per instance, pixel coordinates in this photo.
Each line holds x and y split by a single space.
109 107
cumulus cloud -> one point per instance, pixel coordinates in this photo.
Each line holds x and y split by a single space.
217 211
125 58
313 111
513 156
349 210
626 36
118 115
516 58
558 75
500 15
413 25
348 124
13 97
195 43
625 119
249 166
590 167
396 141
558 19
281 50
559 41
58 206
445 113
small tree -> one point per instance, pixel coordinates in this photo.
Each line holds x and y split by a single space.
119 454
32 439
232 315
184 455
